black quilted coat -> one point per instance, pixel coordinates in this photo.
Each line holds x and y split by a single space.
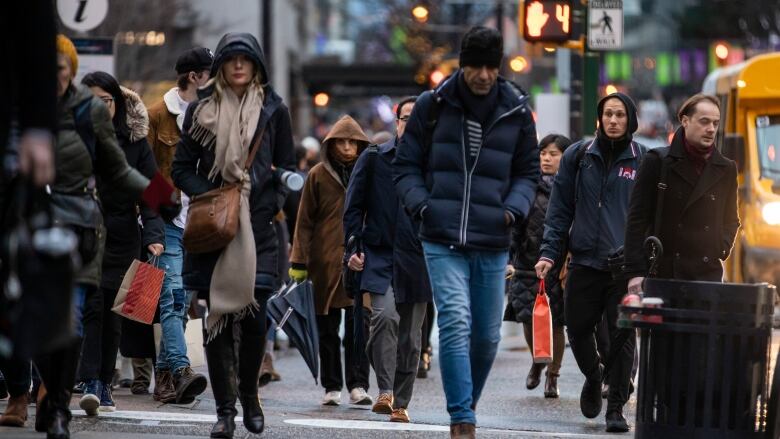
524 251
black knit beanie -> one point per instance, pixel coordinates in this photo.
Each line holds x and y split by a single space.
482 46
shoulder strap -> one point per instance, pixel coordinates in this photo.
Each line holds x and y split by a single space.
579 159
659 205
255 146
372 151
82 120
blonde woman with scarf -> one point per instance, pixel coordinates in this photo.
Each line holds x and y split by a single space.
236 105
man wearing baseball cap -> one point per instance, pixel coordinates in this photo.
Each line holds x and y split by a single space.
174 379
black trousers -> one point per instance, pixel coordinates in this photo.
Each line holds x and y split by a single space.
102 332
17 375
427 329
330 351
588 295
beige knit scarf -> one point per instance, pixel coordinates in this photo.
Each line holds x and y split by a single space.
228 124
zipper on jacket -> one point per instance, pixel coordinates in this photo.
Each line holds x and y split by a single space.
468 173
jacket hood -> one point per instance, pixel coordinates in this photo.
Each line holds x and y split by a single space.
137 116
75 95
633 123
239 43
344 128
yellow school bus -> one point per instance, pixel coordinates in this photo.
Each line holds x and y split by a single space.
749 95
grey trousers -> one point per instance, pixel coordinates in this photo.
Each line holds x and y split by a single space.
393 347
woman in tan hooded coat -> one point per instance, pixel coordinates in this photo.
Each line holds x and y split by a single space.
317 254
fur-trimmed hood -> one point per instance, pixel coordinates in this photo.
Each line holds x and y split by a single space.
137 116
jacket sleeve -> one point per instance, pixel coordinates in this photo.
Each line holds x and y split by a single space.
641 214
560 211
306 221
154 226
284 151
408 172
184 170
355 203
731 221
525 171
110 161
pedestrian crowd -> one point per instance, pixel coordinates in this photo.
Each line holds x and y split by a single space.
462 208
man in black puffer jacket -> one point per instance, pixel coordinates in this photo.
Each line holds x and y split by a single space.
468 179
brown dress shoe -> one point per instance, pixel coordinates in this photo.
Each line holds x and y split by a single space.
16 412
462 431
534 376
384 404
551 385
163 387
267 371
399 415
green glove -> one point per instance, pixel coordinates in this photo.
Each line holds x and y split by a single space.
298 274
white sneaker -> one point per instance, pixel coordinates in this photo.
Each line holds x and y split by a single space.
332 398
358 396
90 403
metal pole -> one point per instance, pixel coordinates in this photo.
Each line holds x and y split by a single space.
267 11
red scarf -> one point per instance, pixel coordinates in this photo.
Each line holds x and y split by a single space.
697 157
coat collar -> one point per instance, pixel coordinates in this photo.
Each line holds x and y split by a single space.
714 169
389 146
630 153
509 95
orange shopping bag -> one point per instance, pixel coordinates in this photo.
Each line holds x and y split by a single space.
542 327
140 291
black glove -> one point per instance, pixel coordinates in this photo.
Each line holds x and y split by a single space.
169 211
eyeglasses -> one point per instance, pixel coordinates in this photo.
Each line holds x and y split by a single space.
108 100
404 118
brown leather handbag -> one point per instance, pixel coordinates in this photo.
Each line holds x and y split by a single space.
212 218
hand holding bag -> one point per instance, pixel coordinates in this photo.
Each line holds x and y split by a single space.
542 327
212 219
140 291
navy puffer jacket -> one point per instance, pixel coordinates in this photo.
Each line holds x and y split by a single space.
465 206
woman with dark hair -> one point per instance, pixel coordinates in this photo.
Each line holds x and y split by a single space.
125 240
237 108
524 253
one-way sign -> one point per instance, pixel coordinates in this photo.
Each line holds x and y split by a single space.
605 24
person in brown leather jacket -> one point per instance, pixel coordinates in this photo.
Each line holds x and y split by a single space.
174 379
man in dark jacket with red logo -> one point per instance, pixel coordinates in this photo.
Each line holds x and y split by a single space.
588 206
467 168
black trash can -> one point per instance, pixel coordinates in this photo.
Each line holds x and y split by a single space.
704 369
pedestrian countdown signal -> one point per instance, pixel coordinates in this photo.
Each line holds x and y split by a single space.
546 21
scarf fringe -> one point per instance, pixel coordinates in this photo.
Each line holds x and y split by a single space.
213 329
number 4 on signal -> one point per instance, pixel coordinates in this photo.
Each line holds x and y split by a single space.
546 21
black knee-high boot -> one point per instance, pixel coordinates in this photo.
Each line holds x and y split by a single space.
251 350
220 356
58 373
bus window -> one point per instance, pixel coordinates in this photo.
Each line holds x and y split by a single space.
768 139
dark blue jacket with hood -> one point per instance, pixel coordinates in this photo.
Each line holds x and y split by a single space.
463 203
590 197
193 161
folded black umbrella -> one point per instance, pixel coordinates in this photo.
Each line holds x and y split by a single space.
293 311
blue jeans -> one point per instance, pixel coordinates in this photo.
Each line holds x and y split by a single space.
80 292
468 289
173 303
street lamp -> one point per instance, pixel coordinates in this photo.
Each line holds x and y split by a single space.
420 13
321 99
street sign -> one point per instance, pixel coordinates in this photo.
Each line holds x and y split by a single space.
95 54
605 24
82 15
546 21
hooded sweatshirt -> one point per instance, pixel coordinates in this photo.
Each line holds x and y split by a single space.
612 148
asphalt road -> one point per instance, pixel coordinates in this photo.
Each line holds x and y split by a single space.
507 409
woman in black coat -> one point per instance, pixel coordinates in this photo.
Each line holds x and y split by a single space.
524 253
236 108
125 239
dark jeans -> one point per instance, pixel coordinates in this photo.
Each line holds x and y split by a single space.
427 328
330 351
102 330
588 294
17 375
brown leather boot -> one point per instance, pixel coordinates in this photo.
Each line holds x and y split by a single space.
462 431
163 387
267 371
551 385
16 412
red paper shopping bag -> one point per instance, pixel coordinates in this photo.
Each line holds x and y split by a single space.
542 327
139 293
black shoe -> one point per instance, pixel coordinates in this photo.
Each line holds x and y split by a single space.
534 376
590 398
188 385
3 388
254 419
224 428
58 425
616 423
604 391
78 389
